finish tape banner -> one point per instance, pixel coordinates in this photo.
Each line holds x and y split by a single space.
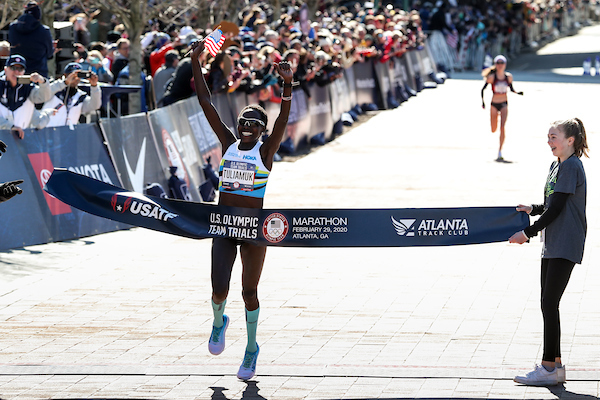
292 227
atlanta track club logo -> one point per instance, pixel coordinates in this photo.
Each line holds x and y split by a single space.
404 227
120 208
275 228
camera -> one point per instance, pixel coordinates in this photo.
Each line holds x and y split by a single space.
23 80
65 44
84 74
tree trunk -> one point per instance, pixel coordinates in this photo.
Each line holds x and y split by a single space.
135 31
48 19
11 9
203 14
313 6
104 24
276 10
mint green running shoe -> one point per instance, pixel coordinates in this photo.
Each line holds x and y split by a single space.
216 343
248 368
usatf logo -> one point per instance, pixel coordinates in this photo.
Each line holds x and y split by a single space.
404 227
139 204
120 208
275 228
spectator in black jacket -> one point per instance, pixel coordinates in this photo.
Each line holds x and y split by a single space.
180 86
122 58
29 38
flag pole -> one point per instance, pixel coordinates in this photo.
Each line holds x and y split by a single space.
204 38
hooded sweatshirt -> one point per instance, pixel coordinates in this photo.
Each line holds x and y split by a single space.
29 38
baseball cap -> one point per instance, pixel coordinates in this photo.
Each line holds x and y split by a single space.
16 59
70 67
186 30
161 39
249 46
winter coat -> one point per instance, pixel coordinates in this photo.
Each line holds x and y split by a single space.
29 38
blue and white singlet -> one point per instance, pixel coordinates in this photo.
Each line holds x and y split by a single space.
242 172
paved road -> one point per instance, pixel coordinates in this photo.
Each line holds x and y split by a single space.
127 315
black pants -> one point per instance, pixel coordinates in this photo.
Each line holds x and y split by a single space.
555 276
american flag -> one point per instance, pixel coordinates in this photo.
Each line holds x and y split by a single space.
452 39
214 41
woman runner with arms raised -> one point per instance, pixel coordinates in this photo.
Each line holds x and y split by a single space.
238 189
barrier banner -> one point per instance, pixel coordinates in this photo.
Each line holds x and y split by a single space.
382 72
408 72
414 60
418 69
298 126
366 87
22 218
206 140
338 98
344 102
133 150
319 108
223 107
351 84
34 216
427 66
429 57
291 227
398 77
177 144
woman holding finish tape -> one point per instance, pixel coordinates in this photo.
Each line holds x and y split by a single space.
564 227
251 125
501 81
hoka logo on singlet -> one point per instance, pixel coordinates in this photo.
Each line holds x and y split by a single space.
249 158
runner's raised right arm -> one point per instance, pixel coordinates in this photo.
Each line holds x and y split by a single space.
226 137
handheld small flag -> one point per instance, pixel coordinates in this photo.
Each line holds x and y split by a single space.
214 41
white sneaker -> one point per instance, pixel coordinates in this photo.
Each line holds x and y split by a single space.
248 368
216 343
561 374
539 377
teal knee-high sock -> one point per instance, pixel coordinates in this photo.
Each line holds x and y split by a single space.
251 323
218 310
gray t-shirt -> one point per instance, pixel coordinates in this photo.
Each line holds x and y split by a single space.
565 236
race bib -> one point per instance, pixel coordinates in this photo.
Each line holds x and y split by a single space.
501 88
238 175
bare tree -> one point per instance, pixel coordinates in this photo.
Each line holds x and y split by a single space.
11 9
134 15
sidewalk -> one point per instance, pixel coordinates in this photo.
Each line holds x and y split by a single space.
127 315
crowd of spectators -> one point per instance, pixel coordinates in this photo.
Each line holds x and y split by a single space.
475 29
319 49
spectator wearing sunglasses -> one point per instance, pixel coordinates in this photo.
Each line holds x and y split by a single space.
17 100
243 176
68 102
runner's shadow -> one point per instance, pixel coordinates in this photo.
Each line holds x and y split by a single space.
251 392
218 393
562 393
